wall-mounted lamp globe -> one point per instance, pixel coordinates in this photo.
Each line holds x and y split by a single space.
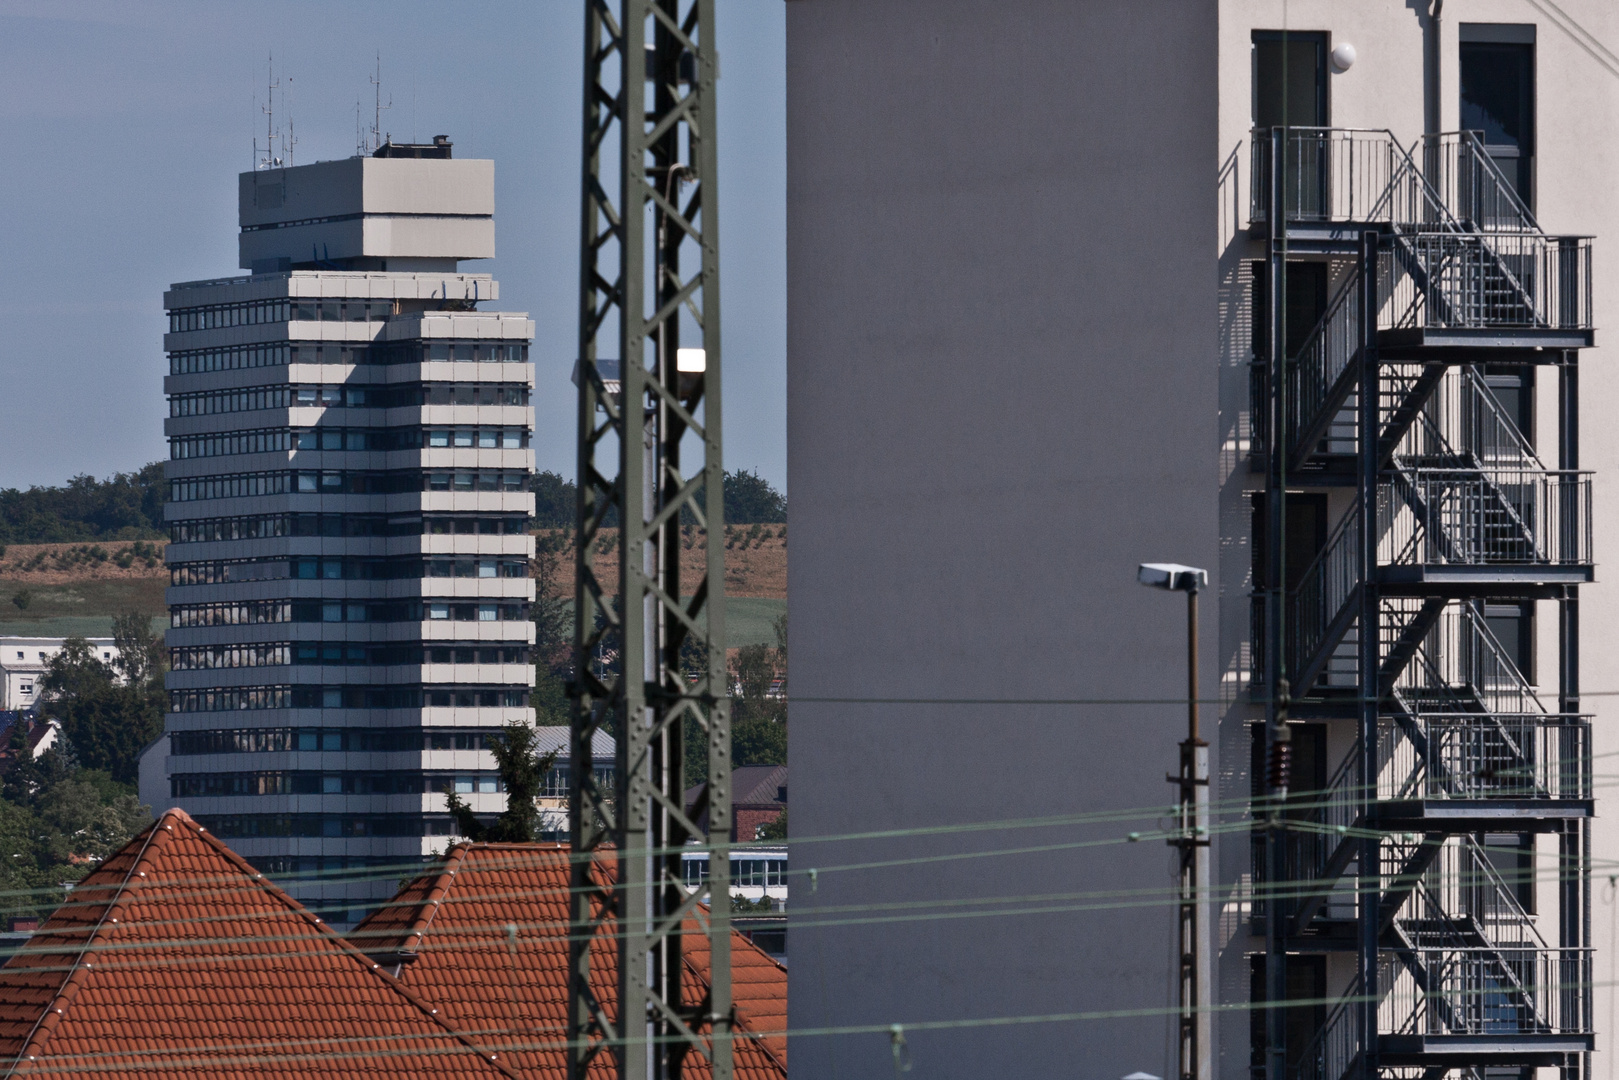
1343 57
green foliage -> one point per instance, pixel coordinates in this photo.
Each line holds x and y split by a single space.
110 713
522 771
750 498
775 830
22 598
741 905
57 821
125 506
556 501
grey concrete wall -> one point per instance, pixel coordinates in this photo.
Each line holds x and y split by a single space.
1002 396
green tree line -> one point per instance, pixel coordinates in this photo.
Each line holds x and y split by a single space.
125 506
749 498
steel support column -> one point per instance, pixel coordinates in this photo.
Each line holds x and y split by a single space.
1574 843
1369 431
636 414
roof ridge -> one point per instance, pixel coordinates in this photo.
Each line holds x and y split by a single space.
429 906
45 1025
351 950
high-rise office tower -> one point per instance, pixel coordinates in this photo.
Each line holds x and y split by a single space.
348 510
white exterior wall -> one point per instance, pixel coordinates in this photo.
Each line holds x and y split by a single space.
1577 119
24 660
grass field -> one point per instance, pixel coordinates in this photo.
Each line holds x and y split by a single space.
80 607
88 607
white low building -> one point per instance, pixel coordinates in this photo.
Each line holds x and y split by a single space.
24 660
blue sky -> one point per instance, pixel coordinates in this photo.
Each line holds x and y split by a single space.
125 123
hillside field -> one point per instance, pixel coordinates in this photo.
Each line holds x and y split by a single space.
78 588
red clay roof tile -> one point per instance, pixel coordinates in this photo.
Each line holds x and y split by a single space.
175 958
452 933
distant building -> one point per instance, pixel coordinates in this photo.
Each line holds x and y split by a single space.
467 775
758 798
23 661
348 514
759 869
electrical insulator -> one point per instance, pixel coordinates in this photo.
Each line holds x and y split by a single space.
1281 765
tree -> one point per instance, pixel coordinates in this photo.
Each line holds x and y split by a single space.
553 629
750 498
125 506
758 720
108 721
775 830
556 501
522 772
139 658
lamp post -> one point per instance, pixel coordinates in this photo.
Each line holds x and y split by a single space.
1192 838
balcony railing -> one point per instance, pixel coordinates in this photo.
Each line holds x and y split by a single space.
1488 991
1470 183
1489 517
1485 281
1340 175
1493 756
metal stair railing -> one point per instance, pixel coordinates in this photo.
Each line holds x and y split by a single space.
1484 756
1485 281
1488 991
1322 606
1323 374
1457 514
1470 183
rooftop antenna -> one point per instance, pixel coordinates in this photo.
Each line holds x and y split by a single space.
270 160
376 123
291 140
359 136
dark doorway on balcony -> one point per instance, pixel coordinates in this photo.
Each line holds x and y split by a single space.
1290 90
1306 981
1306 285
1290 81
1498 97
1306 536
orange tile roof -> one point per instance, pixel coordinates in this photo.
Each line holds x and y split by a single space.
175 958
488 937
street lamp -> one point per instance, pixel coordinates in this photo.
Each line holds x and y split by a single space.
1192 838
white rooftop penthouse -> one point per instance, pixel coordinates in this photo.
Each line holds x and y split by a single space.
411 208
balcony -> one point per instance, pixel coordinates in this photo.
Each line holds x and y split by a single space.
1480 528
1484 1005
1333 180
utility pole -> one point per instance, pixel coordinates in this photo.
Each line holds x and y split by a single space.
1192 839
650 67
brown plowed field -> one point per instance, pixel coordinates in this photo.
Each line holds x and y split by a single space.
63 564
754 565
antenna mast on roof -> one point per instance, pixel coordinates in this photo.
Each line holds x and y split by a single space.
270 160
375 141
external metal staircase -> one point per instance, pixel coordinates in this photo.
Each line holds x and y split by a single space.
1442 275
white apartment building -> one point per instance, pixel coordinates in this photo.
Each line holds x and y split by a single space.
348 508
1039 253
24 660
